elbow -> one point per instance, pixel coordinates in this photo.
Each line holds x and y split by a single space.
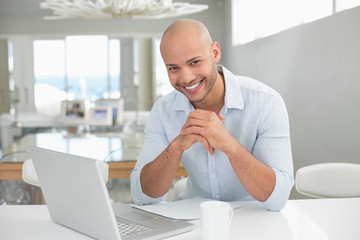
280 195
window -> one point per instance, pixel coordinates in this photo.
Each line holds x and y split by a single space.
256 19
50 75
86 66
314 10
346 4
163 85
77 67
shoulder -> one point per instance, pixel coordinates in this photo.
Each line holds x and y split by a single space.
253 86
165 102
243 92
247 85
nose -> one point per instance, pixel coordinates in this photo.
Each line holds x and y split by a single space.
186 75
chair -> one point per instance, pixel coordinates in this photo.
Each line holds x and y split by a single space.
179 186
16 191
329 180
29 173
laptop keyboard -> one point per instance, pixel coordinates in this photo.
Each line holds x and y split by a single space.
128 228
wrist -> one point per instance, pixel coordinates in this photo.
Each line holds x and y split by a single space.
174 147
232 148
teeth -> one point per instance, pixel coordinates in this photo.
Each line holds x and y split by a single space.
193 86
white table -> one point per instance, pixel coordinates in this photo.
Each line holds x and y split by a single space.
300 219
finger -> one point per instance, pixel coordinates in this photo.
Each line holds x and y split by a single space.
201 119
204 142
202 114
221 117
193 130
193 122
212 151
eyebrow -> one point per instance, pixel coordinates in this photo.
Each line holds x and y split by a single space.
188 61
192 59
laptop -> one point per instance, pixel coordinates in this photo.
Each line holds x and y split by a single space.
76 196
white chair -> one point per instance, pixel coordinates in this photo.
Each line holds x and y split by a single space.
179 188
29 174
329 180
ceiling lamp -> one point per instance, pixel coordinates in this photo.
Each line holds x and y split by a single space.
119 9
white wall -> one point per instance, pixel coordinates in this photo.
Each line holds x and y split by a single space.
316 68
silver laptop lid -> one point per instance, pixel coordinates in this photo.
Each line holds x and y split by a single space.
75 193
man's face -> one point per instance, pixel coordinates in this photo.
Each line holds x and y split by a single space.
190 65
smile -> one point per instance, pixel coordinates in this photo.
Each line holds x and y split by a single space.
193 86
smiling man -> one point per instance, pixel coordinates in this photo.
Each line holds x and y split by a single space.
231 133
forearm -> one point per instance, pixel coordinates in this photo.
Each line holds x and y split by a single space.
257 178
157 176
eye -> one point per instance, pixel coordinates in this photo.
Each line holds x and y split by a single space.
172 68
195 62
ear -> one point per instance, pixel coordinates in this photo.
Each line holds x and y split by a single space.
216 53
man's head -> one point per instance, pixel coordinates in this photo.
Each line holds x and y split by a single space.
190 57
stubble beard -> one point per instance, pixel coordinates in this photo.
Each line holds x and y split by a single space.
212 78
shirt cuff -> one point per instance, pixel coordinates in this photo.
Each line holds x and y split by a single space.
138 196
281 192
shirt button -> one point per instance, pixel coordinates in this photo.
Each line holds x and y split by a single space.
212 175
217 196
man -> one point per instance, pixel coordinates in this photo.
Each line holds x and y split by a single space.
231 133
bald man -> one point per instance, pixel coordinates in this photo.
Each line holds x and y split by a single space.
231 133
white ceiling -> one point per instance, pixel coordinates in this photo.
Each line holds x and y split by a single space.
21 7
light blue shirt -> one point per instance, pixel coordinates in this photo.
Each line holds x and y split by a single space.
254 114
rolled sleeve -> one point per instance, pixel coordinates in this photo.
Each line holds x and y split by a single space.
273 147
281 192
138 196
155 143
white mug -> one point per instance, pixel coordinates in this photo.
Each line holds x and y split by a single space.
216 217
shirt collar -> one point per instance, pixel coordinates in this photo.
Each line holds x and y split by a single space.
233 96
181 103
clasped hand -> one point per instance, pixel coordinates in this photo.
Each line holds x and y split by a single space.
205 127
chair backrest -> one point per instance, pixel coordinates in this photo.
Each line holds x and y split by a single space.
179 187
29 173
329 180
